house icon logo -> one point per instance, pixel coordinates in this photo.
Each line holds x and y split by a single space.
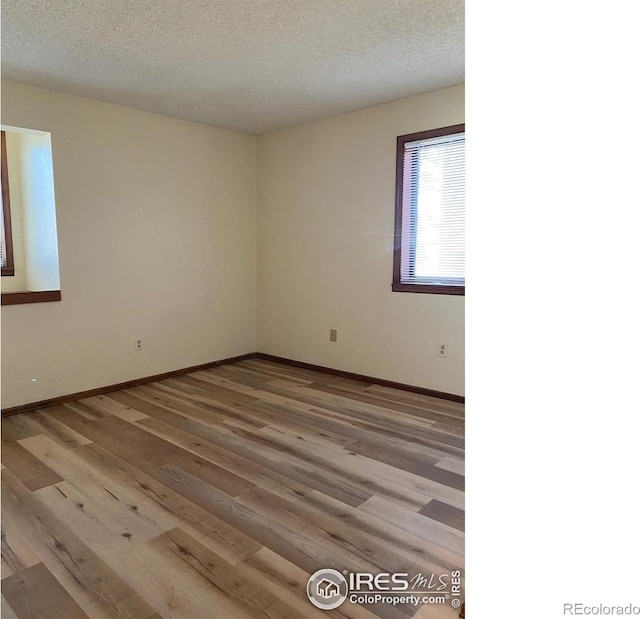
327 589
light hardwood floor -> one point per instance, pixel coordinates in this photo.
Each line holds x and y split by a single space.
217 494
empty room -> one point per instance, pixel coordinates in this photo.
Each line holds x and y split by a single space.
233 308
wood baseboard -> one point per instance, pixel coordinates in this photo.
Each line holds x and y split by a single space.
23 408
368 379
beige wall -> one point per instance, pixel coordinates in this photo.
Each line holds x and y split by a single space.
157 240
325 240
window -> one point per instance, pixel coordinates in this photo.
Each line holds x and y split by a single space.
28 243
429 248
6 239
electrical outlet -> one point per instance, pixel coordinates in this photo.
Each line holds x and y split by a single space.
138 344
333 335
442 350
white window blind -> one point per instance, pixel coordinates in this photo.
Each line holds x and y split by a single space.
433 212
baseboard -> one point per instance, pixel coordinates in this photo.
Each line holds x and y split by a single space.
23 408
368 379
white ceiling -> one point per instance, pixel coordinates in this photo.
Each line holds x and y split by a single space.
248 65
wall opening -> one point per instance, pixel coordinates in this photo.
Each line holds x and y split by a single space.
29 162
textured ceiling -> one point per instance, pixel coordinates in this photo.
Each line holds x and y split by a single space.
248 65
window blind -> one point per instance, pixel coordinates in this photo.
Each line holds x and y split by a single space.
433 211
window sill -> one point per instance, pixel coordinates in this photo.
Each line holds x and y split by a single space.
41 296
427 289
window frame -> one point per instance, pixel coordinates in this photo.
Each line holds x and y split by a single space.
9 269
397 285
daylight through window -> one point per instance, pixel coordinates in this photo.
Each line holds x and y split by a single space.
430 212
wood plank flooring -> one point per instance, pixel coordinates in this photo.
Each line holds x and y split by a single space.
218 493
